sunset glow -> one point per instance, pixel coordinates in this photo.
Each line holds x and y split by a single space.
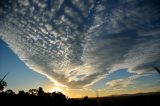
56 89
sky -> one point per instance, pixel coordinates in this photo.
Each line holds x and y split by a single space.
79 47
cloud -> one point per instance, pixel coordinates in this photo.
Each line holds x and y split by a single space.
24 2
77 45
123 84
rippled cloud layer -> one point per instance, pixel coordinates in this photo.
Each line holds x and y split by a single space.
76 43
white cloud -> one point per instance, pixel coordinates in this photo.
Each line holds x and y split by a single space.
24 2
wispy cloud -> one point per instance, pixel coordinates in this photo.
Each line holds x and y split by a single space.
123 83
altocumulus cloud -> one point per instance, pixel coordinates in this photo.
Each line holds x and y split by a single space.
77 43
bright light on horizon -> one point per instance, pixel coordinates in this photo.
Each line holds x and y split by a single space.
56 89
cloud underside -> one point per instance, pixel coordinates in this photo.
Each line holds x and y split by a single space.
78 43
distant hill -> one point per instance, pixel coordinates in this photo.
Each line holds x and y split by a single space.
139 99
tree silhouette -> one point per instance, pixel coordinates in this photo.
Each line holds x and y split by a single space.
58 95
21 93
2 84
33 92
9 91
41 92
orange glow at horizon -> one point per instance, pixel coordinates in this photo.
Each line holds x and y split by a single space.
78 93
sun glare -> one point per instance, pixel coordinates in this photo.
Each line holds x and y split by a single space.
56 89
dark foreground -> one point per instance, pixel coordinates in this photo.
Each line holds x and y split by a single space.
58 99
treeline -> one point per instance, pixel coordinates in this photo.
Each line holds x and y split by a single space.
39 97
